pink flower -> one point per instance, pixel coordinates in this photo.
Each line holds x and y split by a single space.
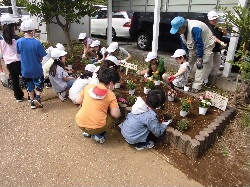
201 97
207 97
122 100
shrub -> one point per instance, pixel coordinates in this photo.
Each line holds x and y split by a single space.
182 125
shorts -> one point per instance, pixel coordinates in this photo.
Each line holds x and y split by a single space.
32 83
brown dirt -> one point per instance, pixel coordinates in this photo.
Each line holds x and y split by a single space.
226 163
196 122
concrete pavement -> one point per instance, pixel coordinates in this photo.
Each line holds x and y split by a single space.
44 147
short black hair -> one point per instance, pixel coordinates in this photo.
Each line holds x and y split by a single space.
106 75
109 64
86 74
155 98
184 56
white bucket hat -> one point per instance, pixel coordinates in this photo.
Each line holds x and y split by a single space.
90 67
60 46
27 25
25 17
7 19
212 15
95 43
179 53
113 59
112 47
56 53
81 36
151 56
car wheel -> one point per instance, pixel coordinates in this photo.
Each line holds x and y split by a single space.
113 33
143 41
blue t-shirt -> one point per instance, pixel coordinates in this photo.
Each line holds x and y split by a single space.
31 51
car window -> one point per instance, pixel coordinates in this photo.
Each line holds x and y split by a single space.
102 15
130 14
118 15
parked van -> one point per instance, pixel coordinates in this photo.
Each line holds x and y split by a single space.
141 29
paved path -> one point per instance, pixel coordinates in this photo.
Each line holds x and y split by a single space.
44 147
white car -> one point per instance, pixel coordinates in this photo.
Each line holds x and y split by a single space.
120 23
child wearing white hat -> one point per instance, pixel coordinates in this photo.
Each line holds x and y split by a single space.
153 65
98 52
59 78
179 79
81 82
86 41
119 52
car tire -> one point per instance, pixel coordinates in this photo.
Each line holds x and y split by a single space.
143 41
113 33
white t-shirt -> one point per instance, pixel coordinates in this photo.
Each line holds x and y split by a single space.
77 87
57 81
182 80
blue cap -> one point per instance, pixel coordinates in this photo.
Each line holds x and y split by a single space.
176 23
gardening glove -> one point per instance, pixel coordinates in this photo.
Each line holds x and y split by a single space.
223 45
199 63
171 78
167 122
145 75
83 55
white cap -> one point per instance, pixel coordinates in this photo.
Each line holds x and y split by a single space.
112 47
25 17
90 67
113 59
7 19
95 43
27 25
151 56
56 53
179 53
60 46
103 50
212 15
81 36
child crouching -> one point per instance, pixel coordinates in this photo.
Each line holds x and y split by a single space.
142 120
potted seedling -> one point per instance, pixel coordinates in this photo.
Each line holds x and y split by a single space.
148 86
204 102
172 94
185 107
131 99
182 125
156 78
131 87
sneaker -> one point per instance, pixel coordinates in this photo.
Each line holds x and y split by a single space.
147 145
29 100
19 100
221 68
99 138
32 105
61 96
207 85
38 103
48 85
87 135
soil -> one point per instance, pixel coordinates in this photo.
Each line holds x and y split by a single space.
196 122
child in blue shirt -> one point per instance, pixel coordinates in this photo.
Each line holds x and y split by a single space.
31 53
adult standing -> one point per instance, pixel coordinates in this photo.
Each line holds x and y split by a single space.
218 32
10 55
198 41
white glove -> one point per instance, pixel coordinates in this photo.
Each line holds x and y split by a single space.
224 45
145 75
167 122
83 55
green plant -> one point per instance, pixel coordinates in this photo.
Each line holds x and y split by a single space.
186 104
204 102
131 99
156 76
149 84
182 125
131 85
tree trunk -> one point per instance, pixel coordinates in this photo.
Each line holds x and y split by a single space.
66 31
243 94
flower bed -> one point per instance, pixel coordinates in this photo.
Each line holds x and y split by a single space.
202 129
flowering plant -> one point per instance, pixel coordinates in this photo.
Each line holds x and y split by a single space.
172 93
149 84
186 104
204 101
156 76
131 85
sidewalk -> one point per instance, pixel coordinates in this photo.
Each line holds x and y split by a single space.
45 147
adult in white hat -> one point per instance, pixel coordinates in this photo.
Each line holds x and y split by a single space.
218 32
119 52
179 79
198 41
10 55
81 82
154 65
59 78
86 41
